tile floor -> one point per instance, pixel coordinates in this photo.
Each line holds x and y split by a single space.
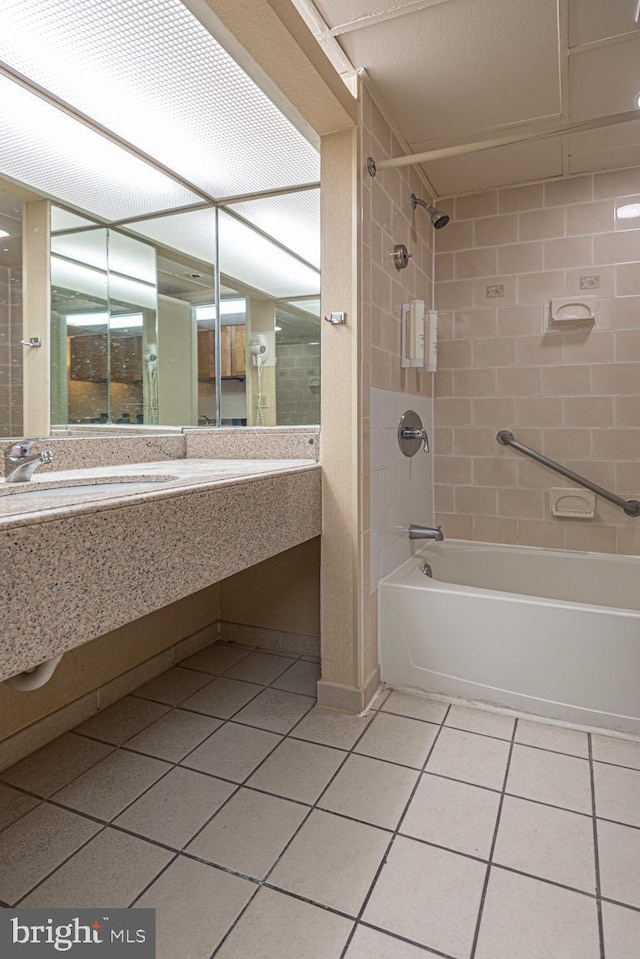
262 827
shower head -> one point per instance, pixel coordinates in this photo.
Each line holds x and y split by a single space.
438 218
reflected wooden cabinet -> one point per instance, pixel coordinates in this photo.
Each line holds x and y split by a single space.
232 356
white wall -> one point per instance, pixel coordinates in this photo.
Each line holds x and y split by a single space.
401 486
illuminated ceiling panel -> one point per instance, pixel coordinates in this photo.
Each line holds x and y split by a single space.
293 219
49 151
150 72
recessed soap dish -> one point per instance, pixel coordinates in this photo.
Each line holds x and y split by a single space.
573 311
572 503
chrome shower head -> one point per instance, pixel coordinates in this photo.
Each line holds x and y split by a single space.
438 218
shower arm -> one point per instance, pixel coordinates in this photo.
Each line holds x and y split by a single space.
630 506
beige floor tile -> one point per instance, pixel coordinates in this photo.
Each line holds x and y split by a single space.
187 927
297 770
471 758
222 697
620 752
173 736
371 944
619 850
124 719
56 764
397 739
250 832
550 778
428 895
109 872
453 814
415 707
35 845
300 678
215 659
276 926
621 931
380 697
480 721
259 668
370 790
617 793
533 920
547 842
275 710
173 686
14 805
331 728
173 810
232 752
332 861
106 789
556 738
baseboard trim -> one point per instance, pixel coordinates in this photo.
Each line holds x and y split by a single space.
348 699
300 644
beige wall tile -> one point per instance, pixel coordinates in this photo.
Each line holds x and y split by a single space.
590 538
545 535
577 189
495 529
627 345
521 503
452 412
589 347
628 279
453 470
472 263
520 198
595 217
623 220
627 477
616 183
478 322
496 471
628 540
443 383
454 295
494 291
476 500
520 258
454 526
475 442
539 350
616 444
620 313
476 205
452 354
604 277
621 247
445 266
536 287
494 352
570 251
444 497
600 471
627 412
474 382
539 411
519 381
590 411
496 230
566 380
456 236
520 320
565 444
616 379
443 440
541 224
492 411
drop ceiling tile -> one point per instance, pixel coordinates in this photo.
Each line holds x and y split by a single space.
461 67
591 20
516 163
604 80
595 141
605 160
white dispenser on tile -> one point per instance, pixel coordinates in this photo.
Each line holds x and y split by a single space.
571 311
431 342
412 334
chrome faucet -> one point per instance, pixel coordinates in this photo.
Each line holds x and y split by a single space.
426 532
20 463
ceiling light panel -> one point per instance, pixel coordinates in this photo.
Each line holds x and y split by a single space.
49 151
292 218
149 71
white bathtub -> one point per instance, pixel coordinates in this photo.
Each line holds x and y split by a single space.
543 631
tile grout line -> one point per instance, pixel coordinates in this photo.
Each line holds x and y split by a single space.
385 857
485 887
596 851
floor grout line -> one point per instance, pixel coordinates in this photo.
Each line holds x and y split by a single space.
596 851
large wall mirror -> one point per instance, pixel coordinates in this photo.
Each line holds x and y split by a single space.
183 228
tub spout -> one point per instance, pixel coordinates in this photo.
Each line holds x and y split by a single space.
426 532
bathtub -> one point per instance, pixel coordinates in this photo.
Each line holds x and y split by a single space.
548 632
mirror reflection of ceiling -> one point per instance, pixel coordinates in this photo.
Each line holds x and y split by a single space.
146 113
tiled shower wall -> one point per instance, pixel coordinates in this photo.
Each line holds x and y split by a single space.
395 491
298 383
573 394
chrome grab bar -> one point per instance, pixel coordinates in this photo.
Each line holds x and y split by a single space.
630 506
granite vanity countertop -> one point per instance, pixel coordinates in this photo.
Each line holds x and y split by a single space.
20 504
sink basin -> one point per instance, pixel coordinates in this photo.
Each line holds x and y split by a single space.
28 495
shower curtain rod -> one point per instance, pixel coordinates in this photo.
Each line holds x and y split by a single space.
630 506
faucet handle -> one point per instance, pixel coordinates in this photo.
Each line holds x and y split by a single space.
21 448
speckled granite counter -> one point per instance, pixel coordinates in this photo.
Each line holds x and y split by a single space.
76 570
